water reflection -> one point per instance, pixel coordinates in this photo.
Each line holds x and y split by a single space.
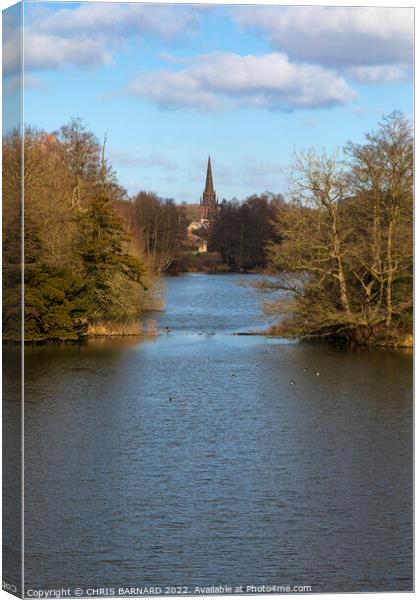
240 480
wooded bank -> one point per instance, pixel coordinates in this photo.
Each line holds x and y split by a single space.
340 247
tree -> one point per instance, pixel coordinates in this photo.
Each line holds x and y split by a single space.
78 265
243 231
159 226
382 177
12 235
345 258
110 272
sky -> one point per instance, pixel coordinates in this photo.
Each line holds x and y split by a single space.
248 85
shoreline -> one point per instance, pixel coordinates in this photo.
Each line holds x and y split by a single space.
405 343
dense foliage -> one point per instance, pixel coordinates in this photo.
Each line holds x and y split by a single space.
159 227
77 265
347 241
244 230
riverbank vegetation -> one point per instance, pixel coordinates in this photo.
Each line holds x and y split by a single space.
339 250
80 266
345 259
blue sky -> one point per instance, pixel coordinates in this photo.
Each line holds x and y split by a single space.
247 84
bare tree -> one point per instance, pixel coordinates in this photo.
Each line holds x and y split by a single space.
382 174
346 250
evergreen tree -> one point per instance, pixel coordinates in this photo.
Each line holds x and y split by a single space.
106 266
77 263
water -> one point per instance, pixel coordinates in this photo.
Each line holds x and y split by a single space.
199 303
244 479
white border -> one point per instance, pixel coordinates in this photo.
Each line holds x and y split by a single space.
384 3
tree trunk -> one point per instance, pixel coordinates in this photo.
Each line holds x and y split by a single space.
344 298
389 274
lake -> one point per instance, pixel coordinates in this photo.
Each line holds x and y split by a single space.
242 479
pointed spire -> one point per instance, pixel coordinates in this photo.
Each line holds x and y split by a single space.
209 180
208 201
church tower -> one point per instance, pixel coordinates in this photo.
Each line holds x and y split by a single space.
208 202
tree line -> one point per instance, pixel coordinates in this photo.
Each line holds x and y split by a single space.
339 249
91 255
244 231
158 226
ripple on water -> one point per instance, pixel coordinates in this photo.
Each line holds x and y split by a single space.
241 480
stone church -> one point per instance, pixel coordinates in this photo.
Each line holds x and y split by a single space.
209 206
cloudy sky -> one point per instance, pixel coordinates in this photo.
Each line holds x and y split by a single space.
246 84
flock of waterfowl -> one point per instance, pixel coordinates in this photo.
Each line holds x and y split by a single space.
233 375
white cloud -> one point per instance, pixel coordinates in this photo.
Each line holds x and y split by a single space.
335 36
46 51
11 56
88 35
378 74
165 22
223 80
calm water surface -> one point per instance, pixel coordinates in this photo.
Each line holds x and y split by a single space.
245 479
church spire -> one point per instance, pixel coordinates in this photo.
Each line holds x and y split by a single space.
208 203
209 179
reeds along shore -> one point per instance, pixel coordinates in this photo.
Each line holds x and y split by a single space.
149 327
